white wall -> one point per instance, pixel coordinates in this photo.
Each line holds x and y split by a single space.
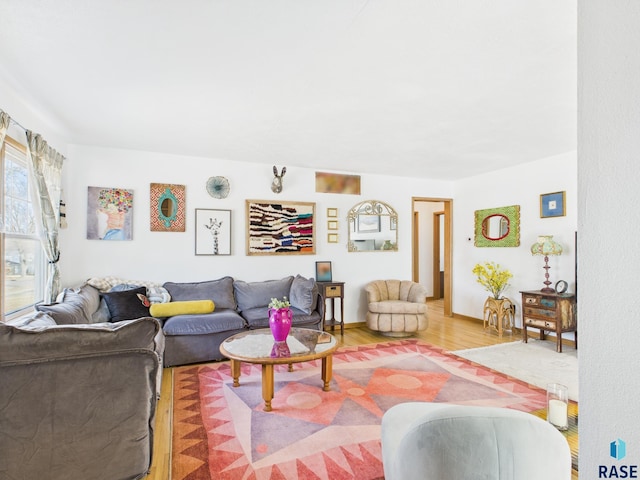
609 224
21 109
519 185
165 256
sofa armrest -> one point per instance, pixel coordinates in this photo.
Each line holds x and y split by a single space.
33 343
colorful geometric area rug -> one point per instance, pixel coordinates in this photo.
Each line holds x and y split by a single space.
222 432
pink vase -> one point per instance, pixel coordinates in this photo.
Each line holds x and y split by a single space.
280 323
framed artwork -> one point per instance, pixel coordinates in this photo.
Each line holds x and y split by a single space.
280 228
337 183
332 212
332 224
552 205
213 232
368 223
323 272
109 213
332 238
166 207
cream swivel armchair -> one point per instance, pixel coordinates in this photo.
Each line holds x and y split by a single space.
397 308
435 441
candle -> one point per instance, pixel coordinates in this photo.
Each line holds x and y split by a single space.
557 413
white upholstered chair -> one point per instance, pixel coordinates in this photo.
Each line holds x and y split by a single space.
436 441
397 308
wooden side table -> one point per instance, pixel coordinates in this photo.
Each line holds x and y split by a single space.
499 314
549 312
331 291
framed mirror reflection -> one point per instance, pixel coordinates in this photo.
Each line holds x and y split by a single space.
373 226
498 227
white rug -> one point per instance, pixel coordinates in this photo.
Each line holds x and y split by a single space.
536 362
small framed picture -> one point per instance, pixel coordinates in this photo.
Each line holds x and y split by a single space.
332 238
213 232
332 224
552 205
323 272
332 212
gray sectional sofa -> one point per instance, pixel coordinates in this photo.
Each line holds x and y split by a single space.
81 377
194 338
239 306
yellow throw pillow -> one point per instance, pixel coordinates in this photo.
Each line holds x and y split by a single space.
187 307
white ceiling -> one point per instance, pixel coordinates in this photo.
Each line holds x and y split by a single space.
439 89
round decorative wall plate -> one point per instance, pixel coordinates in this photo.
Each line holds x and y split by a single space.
218 187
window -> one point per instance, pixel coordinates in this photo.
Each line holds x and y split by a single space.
23 271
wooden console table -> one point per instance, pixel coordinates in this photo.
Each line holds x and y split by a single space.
331 291
553 312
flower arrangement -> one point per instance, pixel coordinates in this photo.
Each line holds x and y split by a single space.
492 277
275 303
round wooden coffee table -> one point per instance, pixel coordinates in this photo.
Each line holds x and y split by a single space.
258 346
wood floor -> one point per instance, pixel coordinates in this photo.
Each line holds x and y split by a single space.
449 333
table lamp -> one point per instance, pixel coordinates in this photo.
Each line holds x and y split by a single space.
546 246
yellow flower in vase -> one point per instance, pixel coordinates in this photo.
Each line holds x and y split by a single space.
492 277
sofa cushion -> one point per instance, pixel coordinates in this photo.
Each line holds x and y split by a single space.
259 294
218 291
304 294
32 320
187 307
222 320
126 305
74 305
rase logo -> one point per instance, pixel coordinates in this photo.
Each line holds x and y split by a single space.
618 450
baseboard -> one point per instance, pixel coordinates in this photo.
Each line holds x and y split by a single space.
532 333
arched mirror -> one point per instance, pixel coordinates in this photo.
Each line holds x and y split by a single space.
373 226
498 227
167 208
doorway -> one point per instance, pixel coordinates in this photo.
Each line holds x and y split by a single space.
432 249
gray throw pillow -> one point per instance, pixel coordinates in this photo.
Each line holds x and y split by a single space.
64 313
259 294
102 314
219 291
75 305
304 294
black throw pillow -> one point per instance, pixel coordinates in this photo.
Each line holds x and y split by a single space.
127 305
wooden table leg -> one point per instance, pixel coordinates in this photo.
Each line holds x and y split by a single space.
327 371
235 371
267 386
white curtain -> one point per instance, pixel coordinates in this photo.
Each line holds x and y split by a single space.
45 169
4 126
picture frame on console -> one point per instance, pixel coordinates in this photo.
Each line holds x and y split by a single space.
213 231
323 272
